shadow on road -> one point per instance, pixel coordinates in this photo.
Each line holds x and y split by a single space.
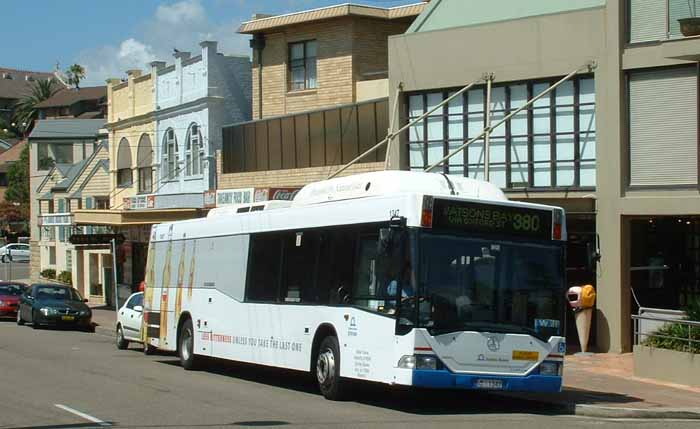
414 400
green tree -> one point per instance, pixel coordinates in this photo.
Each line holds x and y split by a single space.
18 179
25 109
75 73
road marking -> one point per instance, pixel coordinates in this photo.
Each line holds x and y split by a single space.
83 415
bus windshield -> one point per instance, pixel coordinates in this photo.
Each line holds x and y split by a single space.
489 285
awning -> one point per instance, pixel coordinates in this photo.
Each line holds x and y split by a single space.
134 217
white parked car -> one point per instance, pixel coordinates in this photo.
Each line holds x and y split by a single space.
129 321
14 252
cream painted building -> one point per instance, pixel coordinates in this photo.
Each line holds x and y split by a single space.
65 190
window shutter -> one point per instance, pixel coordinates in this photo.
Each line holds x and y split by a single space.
663 127
89 203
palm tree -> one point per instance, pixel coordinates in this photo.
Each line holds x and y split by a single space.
25 109
75 73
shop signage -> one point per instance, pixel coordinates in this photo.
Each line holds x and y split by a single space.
95 239
140 202
227 197
209 199
269 194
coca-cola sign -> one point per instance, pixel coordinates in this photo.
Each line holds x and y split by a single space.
286 194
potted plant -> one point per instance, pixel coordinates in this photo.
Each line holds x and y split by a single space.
690 26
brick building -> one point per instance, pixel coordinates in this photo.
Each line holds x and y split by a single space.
320 88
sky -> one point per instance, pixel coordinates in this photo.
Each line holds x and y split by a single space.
110 37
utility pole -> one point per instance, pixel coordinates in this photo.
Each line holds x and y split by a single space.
487 138
114 274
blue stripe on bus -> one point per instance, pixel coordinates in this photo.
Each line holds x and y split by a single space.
448 380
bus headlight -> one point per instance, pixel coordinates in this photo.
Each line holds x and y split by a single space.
550 368
418 362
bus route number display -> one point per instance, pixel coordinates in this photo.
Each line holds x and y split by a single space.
491 218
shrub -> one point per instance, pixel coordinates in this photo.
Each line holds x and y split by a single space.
681 332
48 273
65 277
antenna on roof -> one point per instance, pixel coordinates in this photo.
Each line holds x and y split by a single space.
60 76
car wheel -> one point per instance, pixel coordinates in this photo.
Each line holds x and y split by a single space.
328 370
20 321
2 258
185 348
35 324
122 343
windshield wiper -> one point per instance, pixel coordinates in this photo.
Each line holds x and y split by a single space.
496 328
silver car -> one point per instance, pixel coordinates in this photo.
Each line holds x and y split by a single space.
14 252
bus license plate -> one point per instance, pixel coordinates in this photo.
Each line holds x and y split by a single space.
489 384
67 318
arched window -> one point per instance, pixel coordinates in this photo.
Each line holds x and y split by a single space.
169 155
144 162
124 178
194 151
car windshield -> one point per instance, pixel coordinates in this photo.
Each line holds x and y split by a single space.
57 294
490 285
11 290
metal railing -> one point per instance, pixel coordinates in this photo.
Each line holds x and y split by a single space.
693 326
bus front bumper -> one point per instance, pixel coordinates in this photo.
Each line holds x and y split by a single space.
443 379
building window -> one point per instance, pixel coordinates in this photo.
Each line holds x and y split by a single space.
144 162
549 145
69 261
51 207
124 177
170 157
52 255
61 205
3 179
50 154
101 203
194 151
302 65
145 180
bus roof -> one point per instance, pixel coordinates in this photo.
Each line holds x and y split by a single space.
385 183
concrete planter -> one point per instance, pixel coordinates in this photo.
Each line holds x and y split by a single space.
667 365
690 26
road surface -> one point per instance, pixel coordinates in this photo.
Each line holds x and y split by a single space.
69 379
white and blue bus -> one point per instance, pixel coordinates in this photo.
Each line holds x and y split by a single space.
403 278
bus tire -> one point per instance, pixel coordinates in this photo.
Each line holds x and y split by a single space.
185 346
328 370
122 343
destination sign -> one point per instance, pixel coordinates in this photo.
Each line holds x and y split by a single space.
491 218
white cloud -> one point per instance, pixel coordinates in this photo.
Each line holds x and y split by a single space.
180 25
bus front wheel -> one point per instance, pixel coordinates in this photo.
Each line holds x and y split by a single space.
328 369
188 359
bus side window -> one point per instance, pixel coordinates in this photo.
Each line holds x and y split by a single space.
298 276
335 269
264 267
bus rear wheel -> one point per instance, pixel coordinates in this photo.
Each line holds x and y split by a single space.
188 359
328 370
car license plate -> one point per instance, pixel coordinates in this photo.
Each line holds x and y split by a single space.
489 384
67 318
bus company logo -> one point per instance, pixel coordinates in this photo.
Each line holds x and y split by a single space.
493 344
352 329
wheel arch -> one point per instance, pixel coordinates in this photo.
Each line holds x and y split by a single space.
184 316
324 330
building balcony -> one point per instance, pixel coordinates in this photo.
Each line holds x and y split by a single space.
55 219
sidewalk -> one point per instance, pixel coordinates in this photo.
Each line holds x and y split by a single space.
595 385
604 385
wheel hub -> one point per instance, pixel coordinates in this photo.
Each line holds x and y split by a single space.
186 346
325 367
